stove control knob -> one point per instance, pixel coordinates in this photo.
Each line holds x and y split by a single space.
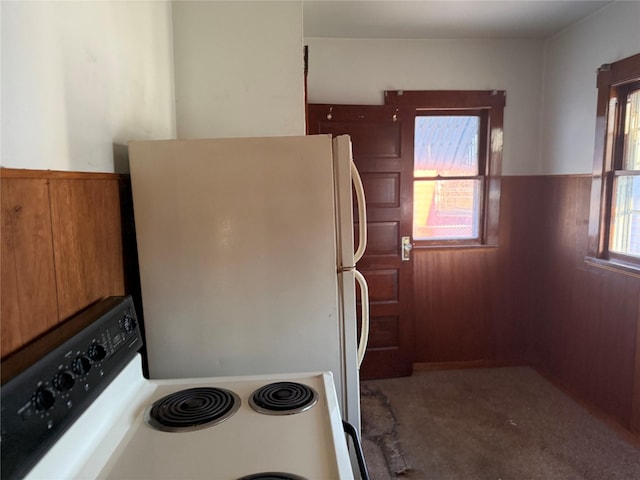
81 365
96 352
43 399
129 323
64 380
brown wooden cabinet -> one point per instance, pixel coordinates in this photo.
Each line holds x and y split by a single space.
62 248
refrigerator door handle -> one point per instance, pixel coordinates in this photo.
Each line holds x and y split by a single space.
362 213
364 321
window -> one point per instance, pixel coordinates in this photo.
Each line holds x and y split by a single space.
457 152
625 205
447 183
615 209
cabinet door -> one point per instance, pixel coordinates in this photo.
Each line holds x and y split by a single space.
87 241
29 305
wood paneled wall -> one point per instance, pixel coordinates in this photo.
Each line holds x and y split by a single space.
62 248
587 326
533 300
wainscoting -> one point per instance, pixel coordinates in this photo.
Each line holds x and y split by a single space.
68 240
534 301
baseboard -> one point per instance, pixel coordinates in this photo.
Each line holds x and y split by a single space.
430 366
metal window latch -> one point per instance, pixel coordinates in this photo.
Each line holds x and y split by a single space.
406 249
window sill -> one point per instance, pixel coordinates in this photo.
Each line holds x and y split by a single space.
456 247
613 266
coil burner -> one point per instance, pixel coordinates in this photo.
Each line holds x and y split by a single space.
192 409
283 398
273 476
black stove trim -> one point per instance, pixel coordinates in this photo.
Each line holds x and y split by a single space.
31 424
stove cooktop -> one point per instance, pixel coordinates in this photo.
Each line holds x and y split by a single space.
309 443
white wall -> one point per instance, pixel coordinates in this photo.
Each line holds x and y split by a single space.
569 101
238 68
80 79
358 71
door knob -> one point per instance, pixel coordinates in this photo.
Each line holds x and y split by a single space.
406 249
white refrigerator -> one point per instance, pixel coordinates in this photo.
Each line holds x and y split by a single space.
247 262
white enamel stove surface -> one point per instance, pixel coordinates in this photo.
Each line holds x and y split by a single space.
112 440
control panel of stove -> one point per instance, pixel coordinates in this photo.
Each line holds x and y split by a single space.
53 380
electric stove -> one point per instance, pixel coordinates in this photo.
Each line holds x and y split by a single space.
83 409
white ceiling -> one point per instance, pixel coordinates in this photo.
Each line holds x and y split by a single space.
443 19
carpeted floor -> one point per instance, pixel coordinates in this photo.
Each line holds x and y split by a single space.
487 424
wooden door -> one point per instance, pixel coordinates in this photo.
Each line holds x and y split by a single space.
382 139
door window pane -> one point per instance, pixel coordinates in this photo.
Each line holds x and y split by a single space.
446 209
446 146
625 216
